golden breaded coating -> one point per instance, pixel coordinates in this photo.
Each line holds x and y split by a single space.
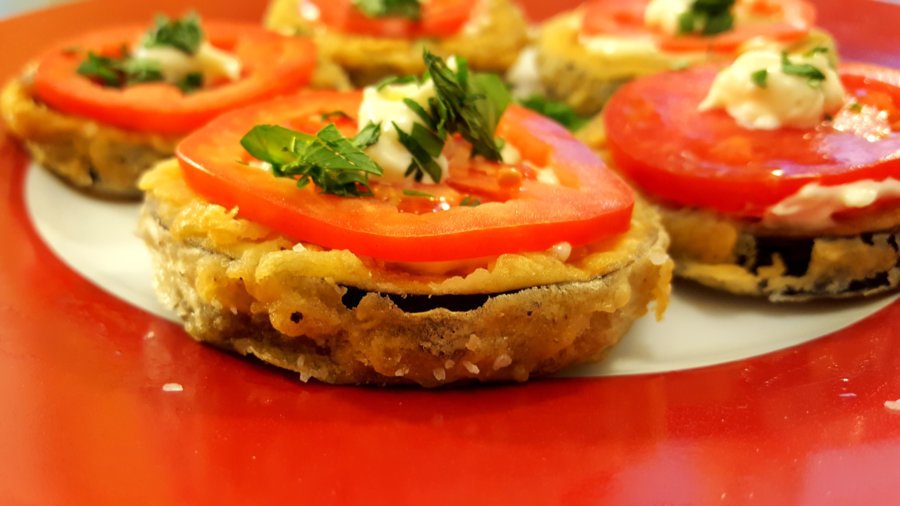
490 41
339 318
97 158
94 157
855 257
585 79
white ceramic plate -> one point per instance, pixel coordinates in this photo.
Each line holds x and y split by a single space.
97 239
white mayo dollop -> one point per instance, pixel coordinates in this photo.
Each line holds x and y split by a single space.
386 106
209 60
663 15
813 206
785 100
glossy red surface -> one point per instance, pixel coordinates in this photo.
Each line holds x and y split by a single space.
85 420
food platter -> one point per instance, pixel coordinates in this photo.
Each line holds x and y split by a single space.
110 402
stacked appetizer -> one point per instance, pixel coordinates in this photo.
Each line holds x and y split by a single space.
101 109
374 39
778 175
420 231
585 54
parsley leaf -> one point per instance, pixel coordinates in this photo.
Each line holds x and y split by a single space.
470 201
760 78
410 9
191 82
424 146
470 108
118 72
558 111
335 164
811 73
183 34
707 17
367 136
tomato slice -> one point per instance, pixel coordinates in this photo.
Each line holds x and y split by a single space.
625 18
593 203
440 18
659 140
272 65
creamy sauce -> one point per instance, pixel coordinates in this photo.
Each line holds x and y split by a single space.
175 65
785 100
662 15
813 206
386 106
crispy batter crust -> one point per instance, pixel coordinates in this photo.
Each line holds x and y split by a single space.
586 79
99 159
746 258
240 287
491 41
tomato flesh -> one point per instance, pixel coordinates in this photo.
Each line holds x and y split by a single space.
440 18
661 141
625 18
593 204
272 65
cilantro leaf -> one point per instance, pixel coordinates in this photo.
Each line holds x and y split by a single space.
335 164
368 136
183 34
410 9
555 110
424 146
102 69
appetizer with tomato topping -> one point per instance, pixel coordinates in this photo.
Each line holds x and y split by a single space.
101 109
777 176
374 39
416 232
585 54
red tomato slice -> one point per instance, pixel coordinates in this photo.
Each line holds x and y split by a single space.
272 65
659 140
626 18
595 204
440 18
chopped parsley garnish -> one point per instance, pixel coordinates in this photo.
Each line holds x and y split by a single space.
119 72
191 82
559 112
410 9
468 104
855 107
325 116
707 17
811 73
183 34
760 78
335 164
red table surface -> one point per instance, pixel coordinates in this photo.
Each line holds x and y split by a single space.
85 421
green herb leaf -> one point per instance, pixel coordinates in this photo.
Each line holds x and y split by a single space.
141 71
459 109
191 82
707 17
410 9
335 164
106 71
470 201
811 73
183 34
818 49
368 136
760 78
416 193
855 108
555 110
496 97
274 144
424 146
